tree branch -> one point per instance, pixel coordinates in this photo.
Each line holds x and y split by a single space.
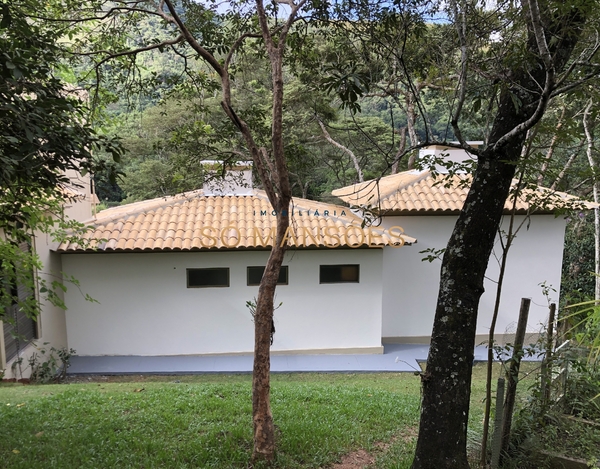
462 80
191 40
344 149
575 84
566 167
114 55
546 94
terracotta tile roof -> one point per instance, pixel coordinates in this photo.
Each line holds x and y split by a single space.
420 193
193 221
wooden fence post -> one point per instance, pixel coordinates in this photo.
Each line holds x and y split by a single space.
546 372
513 374
497 439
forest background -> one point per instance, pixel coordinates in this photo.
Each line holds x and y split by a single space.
168 128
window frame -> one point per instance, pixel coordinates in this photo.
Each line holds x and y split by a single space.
190 269
322 282
283 268
18 330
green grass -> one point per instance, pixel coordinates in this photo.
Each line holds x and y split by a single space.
205 421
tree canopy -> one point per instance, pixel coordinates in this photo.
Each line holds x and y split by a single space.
44 132
44 122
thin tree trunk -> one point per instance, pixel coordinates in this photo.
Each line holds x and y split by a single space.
345 149
262 417
512 376
280 197
273 172
490 350
592 163
401 150
566 168
551 148
411 120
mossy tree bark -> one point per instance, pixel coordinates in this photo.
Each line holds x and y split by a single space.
447 380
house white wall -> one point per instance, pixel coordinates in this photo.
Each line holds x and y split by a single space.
410 285
145 308
51 322
51 325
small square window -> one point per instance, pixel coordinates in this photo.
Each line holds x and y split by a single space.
214 277
255 274
346 273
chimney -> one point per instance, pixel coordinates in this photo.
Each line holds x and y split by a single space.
456 156
237 179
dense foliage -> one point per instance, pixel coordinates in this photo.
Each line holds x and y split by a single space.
44 128
44 134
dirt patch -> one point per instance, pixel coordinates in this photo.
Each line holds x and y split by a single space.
355 460
409 434
362 459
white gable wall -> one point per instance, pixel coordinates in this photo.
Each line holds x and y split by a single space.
145 308
410 285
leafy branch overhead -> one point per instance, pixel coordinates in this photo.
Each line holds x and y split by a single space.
45 130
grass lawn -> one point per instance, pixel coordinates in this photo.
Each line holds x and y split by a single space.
204 421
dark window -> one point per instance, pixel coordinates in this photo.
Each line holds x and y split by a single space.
19 329
255 275
347 273
215 277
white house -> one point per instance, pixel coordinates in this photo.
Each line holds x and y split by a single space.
172 276
427 207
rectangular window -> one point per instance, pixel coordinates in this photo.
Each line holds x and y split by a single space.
346 273
255 274
214 277
19 329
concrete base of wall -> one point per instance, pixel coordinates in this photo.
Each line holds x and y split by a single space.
332 351
480 339
327 351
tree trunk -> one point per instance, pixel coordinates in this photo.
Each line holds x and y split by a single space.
345 149
596 191
262 417
411 120
400 152
280 195
550 151
447 379
490 345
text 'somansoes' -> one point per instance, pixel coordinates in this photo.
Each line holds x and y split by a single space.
332 236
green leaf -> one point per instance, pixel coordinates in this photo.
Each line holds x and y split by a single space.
6 19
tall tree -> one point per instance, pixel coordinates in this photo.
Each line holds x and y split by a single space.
197 31
544 35
506 63
45 130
